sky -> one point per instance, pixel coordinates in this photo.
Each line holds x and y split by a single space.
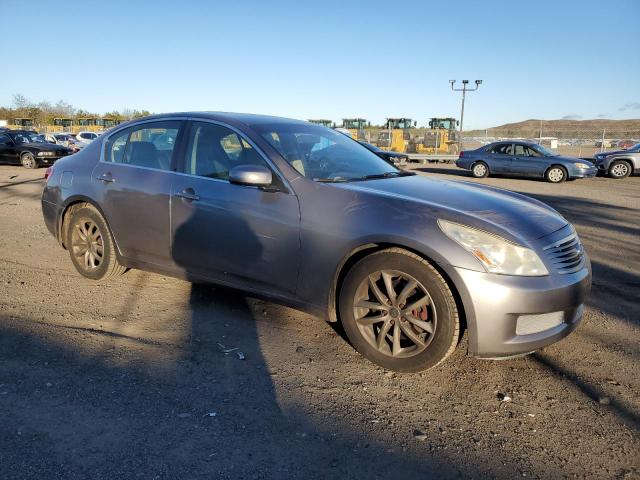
329 59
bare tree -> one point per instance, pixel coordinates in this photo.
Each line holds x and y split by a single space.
20 101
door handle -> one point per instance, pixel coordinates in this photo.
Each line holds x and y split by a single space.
106 178
191 196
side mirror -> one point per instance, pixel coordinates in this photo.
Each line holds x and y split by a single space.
251 175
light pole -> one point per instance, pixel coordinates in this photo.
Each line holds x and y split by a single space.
464 91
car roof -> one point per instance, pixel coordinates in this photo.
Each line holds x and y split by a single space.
520 142
249 119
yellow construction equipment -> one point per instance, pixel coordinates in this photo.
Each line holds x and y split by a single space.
396 135
323 122
356 127
442 137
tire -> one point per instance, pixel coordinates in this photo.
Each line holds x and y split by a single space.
434 321
555 174
28 160
480 170
91 245
619 169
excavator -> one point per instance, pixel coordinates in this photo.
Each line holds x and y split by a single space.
323 122
442 137
396 135
355 127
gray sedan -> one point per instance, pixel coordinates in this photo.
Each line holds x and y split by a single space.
307 216
526 159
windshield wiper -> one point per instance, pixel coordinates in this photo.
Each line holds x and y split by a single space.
375 176
331 180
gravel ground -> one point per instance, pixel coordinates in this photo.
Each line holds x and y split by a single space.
129 378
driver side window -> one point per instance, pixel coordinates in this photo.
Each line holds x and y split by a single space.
213 150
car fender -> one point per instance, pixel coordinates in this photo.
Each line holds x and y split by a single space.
75 199
635 162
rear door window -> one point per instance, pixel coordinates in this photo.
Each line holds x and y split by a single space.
502 149
150 145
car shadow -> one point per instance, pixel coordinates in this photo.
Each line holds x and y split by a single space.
212 411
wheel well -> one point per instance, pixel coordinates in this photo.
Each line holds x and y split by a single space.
65 216
480 161
628 161
559 166
365 250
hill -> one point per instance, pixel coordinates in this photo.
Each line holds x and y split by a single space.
531 128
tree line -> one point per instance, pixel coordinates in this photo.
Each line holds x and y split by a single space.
43 112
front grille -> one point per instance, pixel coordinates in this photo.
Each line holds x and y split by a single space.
566 255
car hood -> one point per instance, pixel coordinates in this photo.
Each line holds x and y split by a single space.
615 152
492 209
45 147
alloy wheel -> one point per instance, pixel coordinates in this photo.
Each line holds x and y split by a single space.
395 313
620 170
28 161
87 244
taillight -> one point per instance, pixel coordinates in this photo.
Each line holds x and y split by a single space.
461 154
48 173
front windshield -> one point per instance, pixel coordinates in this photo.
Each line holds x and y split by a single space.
322 154
634 148
546 152
29 138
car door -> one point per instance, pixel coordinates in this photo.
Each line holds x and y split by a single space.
236 234
527 161
500 157
133 185
7 149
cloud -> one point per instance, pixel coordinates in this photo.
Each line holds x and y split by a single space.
572 116
630 106
602 115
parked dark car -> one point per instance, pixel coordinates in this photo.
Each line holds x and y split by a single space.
526 159
394 158
29 149
302 214
619 163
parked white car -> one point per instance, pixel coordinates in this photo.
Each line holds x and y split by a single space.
86 137
65 139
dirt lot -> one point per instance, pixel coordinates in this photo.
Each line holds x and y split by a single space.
127 378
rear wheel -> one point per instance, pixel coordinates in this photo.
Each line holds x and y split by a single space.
91 246
480 170
619 169
555 174
399 312
28 160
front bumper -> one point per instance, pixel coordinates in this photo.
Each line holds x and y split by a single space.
584 172
502 310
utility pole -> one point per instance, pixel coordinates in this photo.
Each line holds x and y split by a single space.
464 91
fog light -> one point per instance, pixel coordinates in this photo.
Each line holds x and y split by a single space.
528 324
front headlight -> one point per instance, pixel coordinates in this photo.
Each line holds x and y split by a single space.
496 254
581 165
45 154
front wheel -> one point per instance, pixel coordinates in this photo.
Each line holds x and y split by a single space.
399 312
556 174
480 170
619 169
28 160
91 246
